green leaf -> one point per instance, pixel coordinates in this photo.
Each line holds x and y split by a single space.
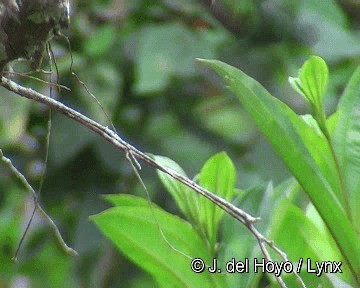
186 199
347 143
312 82
332 121
122 200
309 119
299 238
314 76
296 85
306 153
217 175
165 254
260 201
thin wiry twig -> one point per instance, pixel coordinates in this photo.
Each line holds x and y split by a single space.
68 250
36 200
83 84
25 75
135 166
110 136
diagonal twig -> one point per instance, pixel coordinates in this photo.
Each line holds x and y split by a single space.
246 219
21 177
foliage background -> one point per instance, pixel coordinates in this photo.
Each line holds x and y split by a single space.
138 58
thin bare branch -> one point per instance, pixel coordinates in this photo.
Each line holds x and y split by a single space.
110 136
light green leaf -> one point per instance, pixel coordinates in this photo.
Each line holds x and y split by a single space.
217 175
186 199
307 155
314 75
312 82
347 143
165 254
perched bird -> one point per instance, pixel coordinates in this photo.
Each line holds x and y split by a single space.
26 26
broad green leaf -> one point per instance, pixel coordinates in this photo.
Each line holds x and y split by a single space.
307 155
217 175
186 199
347 143
160 243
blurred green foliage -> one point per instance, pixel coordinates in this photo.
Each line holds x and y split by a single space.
138 58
